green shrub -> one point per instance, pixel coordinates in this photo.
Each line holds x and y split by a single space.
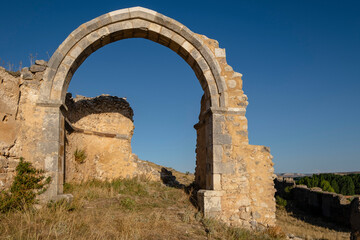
330 182
326 186
280 201
80 155
28 183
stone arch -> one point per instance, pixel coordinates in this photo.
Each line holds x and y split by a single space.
235 178
134 22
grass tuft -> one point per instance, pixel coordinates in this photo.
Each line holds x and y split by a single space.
80 155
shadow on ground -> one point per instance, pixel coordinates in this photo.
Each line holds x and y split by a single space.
170 180
314 219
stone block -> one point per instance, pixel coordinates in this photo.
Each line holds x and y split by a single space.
140 23
26 74
209 202
65 47
203 64
166 32
104 20
79 33
76 51
37 68
68 60
104 31
139 12
41 62
231 83
120 26
175 26
220 52
54 62
221 139
217 182
92 25
120 15
223 168
218 153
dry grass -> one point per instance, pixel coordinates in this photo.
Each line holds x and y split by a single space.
322 230
122 209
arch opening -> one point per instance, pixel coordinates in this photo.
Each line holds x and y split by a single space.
164 95
138 23
133 23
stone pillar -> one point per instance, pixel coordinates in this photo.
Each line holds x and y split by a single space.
209 202
51 149
209 199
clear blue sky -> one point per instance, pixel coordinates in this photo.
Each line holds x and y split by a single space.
300 62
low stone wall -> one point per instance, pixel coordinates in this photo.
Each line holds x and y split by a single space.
335 207
355 219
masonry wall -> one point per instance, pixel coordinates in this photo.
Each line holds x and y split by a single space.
335 207
19 123
102 127
244 172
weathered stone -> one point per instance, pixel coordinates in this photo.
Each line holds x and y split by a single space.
231 83
26 74
39 76
37 68
41 63
220 52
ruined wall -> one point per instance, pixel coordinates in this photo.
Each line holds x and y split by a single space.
334 207
9 98
102 127
243 173
355 219
19 119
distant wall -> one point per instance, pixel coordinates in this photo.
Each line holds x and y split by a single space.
355 219
332 206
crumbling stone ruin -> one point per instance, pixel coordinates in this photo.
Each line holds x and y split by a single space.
355 219
102 127
335 207
234 177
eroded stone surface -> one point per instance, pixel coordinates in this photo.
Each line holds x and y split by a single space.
102 127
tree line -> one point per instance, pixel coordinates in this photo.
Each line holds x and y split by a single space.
329 182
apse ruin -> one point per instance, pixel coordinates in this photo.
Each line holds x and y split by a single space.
235 178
